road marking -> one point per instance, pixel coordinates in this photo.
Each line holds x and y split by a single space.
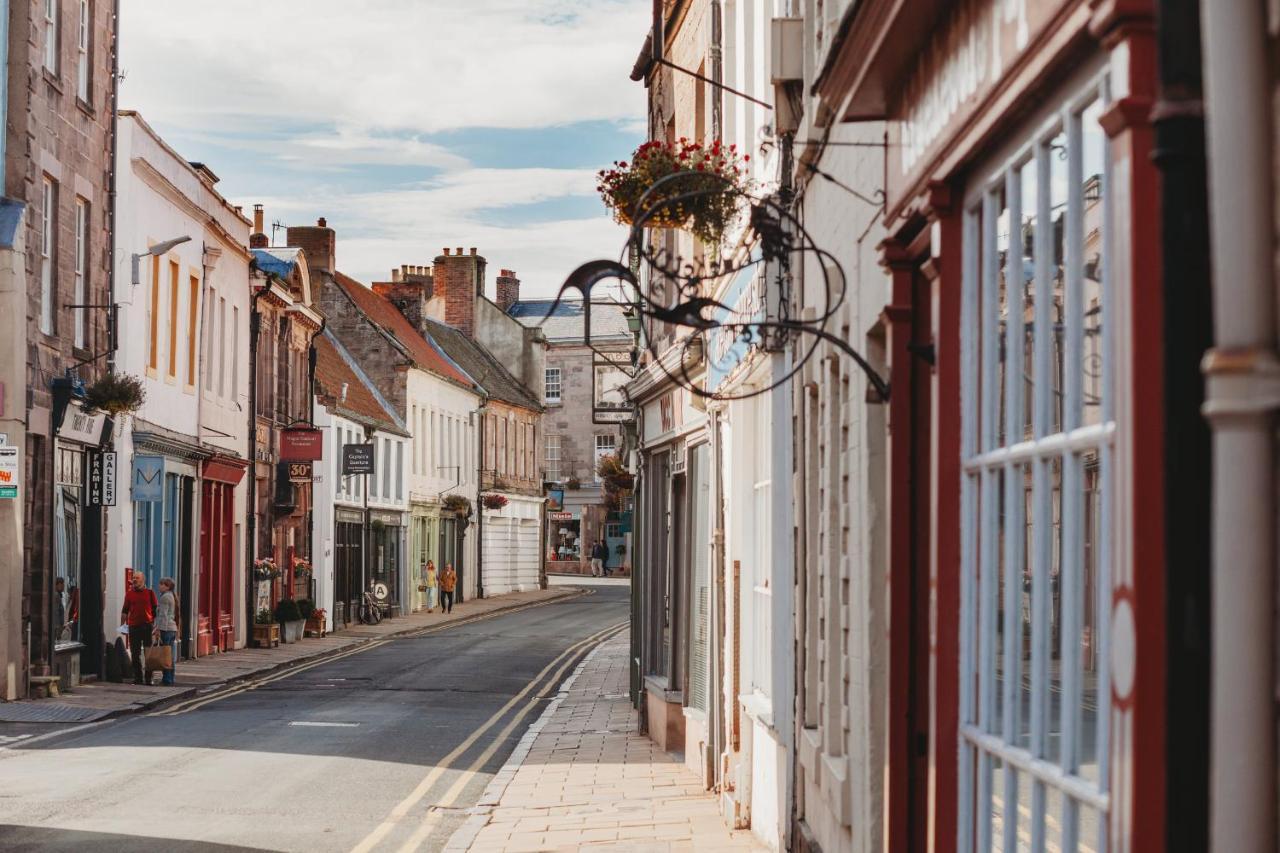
197 702
319 724
464 777
415 796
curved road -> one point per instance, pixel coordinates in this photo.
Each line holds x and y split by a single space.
382 749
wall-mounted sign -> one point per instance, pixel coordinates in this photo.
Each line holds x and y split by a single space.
10 472
560 516
301 444
358 459
300 472
100 479
148 479
80 425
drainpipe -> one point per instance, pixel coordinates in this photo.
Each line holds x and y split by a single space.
1178 123
479 508
311 419
1242 396
251 520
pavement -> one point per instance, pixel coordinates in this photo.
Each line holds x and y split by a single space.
382 747
98 700
583 778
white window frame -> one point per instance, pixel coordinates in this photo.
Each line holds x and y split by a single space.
553 385
985 738
81 283
48 243
551 458
606 445
82 49
51 36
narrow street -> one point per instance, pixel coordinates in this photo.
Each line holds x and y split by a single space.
380 749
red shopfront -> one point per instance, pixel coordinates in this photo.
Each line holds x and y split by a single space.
215 618
1026 506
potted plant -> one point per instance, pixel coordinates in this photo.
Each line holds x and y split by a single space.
317 623
301 568
573 484
266 633
290 620
680 184
116 394
494 501
458 504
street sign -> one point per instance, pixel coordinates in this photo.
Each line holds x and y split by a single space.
10 472
300 472
358 459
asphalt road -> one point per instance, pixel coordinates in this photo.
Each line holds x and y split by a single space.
382 750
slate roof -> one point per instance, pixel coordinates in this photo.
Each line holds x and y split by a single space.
382 313
479 363
567 321
333 370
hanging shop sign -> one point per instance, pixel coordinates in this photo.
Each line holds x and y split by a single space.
79 424
100 478
148 479
357 459
301 444
300 472
10 472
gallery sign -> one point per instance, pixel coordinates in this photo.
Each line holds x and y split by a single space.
100 478
80 424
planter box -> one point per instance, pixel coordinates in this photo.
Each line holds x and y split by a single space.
316 627
266 636
292 632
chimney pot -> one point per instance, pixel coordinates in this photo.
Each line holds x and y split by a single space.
459 250
473 250
257 219
322 223
446 251
395 275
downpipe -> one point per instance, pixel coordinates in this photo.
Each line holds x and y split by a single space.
1242 394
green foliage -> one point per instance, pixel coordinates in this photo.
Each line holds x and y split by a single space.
116 394
287 611
305 607
264 617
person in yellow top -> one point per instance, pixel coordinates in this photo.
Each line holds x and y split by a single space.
432 582
448 580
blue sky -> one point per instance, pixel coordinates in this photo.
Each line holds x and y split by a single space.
410 125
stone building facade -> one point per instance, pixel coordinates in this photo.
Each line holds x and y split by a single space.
59 132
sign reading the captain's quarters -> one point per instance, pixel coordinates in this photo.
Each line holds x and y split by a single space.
357 459
10 472
148 479
301 444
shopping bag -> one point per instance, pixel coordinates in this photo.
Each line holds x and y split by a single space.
158 658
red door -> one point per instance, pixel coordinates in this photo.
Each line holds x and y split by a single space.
215 622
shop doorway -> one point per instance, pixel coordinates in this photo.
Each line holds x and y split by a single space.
348 557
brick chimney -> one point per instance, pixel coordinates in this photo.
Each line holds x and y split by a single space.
409 289
508 290
317 242
459 280
257 240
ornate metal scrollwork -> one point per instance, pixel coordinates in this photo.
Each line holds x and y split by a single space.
680 290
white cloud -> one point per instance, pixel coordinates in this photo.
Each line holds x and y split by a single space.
406 65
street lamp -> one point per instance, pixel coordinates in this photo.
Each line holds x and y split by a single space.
156 249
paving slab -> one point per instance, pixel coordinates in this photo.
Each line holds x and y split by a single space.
595 781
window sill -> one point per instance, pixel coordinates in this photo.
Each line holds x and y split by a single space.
659 685
758 707
52 78
86 108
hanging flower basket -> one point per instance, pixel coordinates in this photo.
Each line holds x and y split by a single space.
494 501
265 569
301 568
116 394
695 187
458 504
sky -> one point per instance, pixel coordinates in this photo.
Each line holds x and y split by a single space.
410 125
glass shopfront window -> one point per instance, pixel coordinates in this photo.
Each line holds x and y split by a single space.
385 557
67 543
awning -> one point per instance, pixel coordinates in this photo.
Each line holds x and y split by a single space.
224 469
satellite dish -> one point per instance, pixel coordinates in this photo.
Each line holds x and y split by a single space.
380 591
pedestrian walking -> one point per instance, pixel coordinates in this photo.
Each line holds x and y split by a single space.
139 614
599 553
167 616
433 586
448 580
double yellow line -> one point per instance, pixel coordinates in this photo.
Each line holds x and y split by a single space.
569 657
189 705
